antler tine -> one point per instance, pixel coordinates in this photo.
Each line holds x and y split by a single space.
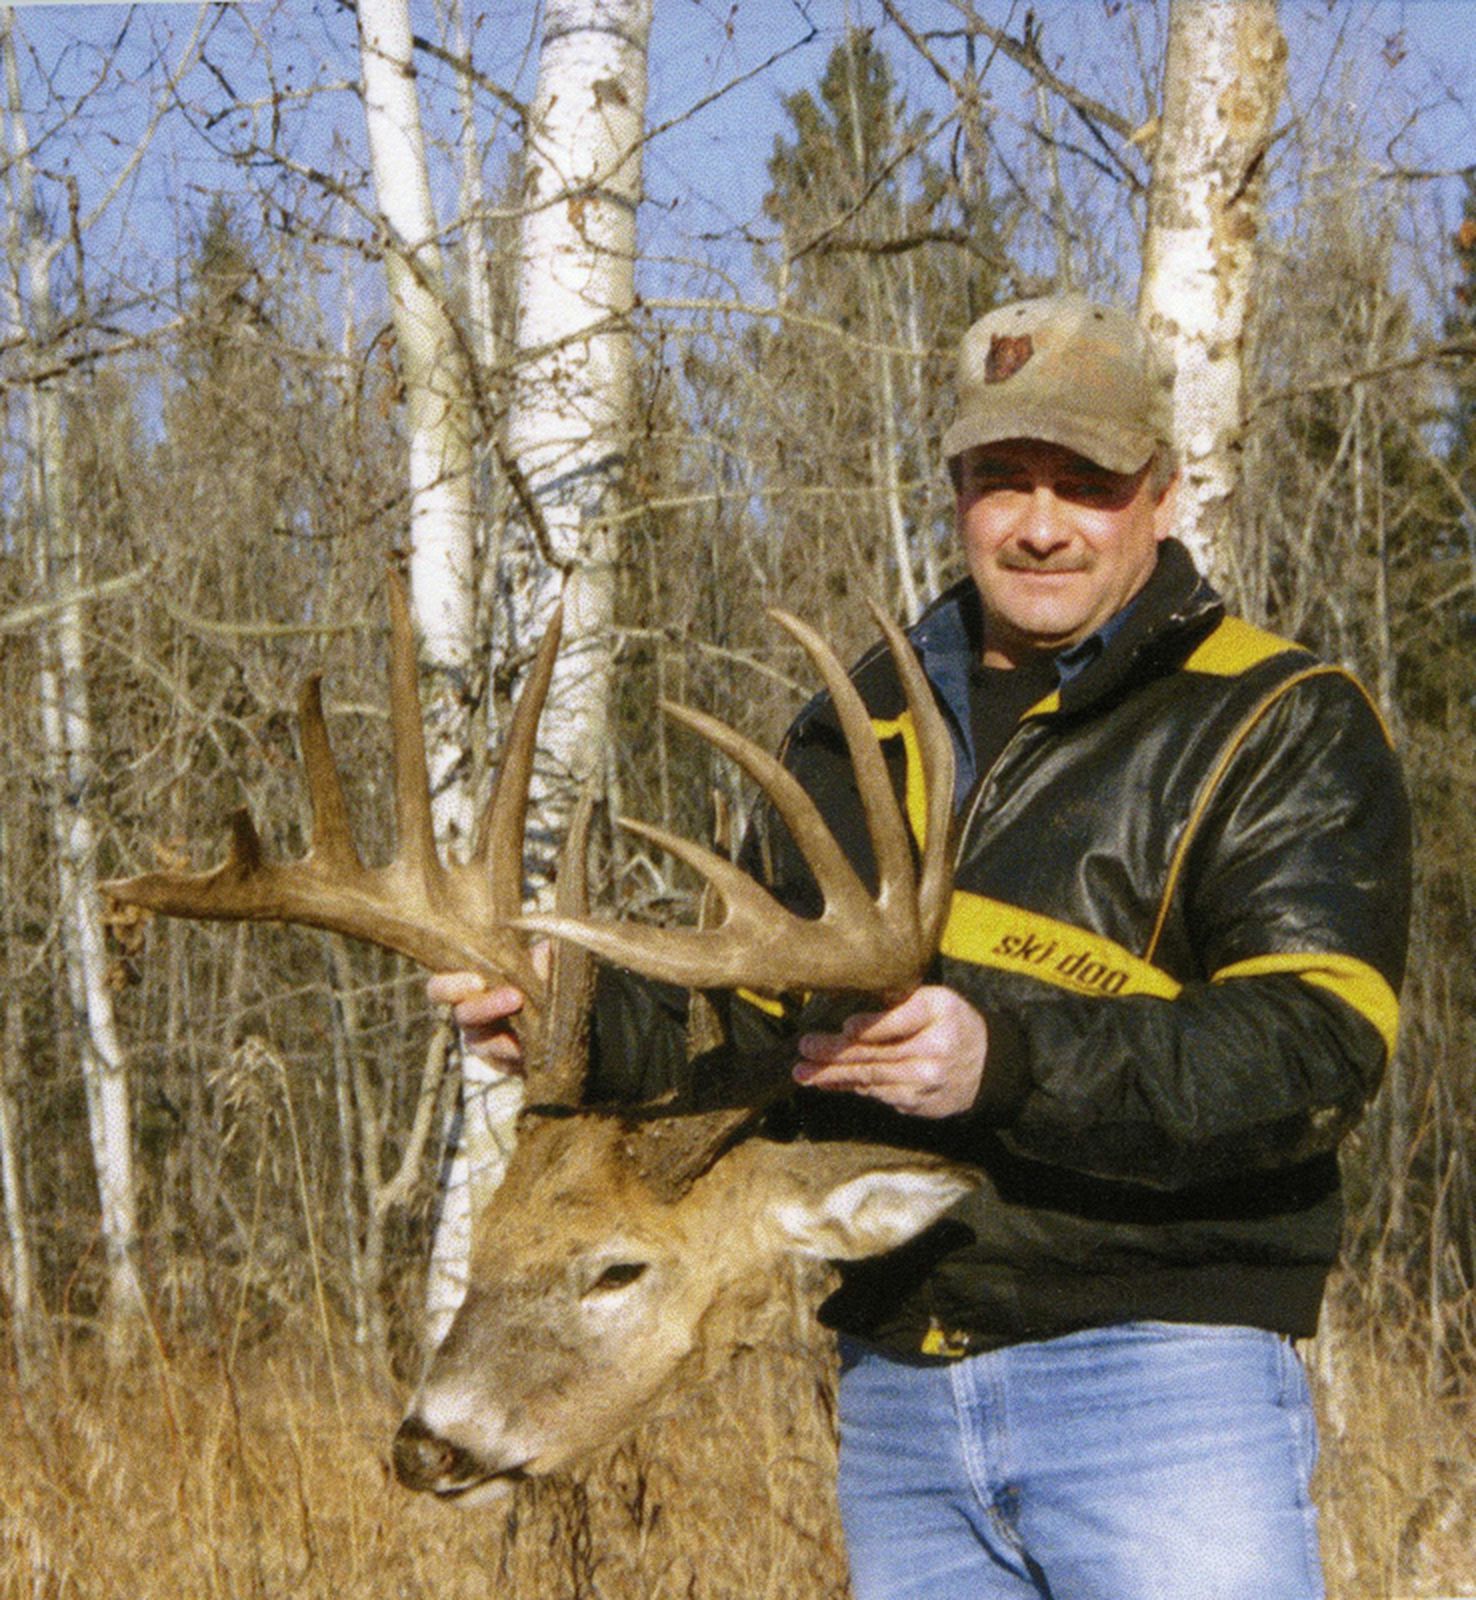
446 917
878 945
415 832
935 755
556 1076
498 846
333 837
896 879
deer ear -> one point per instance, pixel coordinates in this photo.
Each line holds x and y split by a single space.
842 1202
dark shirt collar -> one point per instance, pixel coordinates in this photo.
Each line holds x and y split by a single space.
1076 658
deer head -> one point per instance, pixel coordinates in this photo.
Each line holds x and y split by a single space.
595 1295
627 1250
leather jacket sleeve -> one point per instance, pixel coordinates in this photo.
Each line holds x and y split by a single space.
1291 920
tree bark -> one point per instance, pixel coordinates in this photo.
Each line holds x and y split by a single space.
438 402
67 742
570 424
1224 74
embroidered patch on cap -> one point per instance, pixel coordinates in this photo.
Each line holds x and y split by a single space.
1007 354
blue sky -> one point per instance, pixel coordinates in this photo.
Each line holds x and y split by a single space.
1412 66
1404 77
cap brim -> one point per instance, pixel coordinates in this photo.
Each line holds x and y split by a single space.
1124 450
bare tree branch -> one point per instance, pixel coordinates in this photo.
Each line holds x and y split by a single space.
1025 53
23 618
1462 349
448 58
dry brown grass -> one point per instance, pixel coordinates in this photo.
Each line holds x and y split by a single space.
1397 1480
186 1476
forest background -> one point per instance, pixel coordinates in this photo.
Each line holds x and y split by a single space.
221 1148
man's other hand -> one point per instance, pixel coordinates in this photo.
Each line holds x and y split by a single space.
924 1057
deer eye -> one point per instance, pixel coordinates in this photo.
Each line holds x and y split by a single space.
616 1276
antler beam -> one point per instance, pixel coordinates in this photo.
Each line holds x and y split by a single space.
448 916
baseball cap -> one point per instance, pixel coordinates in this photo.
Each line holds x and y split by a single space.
1067 370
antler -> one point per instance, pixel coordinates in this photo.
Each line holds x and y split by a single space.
448 916
871 944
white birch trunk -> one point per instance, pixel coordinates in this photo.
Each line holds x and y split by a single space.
480 1138
479 308
438 401
27 1324
567 435
479 1144
1223 78
66 728
571 417
66 731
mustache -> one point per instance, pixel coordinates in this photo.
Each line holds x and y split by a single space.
1019 560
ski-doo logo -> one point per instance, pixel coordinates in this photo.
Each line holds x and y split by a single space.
1078 967
992 933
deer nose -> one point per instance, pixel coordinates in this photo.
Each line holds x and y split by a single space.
424 1460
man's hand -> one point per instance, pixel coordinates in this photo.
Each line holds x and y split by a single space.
484 1013
924 1057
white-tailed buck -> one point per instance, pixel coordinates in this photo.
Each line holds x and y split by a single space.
628 1250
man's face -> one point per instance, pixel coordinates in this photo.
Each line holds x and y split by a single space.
1056 544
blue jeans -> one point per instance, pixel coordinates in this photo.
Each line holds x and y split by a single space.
1148 1461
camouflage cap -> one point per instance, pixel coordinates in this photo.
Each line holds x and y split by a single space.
1069 371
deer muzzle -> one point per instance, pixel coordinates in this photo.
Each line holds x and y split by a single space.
426 1461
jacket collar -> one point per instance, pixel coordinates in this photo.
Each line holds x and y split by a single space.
1153 632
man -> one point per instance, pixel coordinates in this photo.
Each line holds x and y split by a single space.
1166 990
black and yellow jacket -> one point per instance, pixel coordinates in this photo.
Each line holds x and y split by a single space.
1181 901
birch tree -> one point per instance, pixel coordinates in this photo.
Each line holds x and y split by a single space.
439 408
569 427
67 733
1224 73
566 440
438 398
